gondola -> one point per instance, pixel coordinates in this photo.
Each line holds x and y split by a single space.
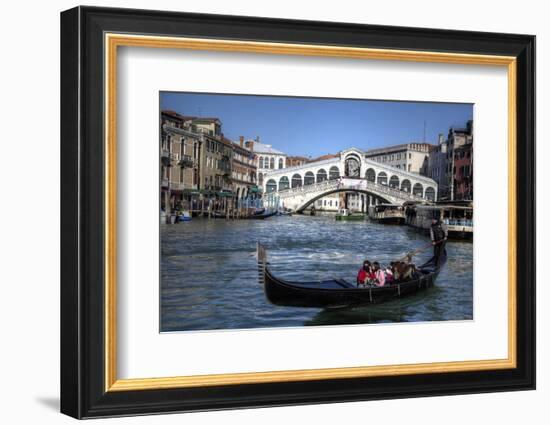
261 216
336 293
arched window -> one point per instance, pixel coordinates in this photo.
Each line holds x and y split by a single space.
309 178
352 166
283 183
430 193
272 163
296 180
418 190
271 186
394 182
261 162
371 175
321 175
333 173
280 163
406 186
382 178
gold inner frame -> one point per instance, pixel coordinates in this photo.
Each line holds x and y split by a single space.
113 41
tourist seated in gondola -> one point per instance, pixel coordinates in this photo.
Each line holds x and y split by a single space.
389 275
364 274
379 275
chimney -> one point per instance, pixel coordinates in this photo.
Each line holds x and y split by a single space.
441 140
241 141
250 144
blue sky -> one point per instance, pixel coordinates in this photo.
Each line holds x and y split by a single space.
313 126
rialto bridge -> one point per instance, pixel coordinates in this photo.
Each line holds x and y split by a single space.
298 187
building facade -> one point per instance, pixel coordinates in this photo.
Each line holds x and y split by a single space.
216 165
463 173
243 173
179 161
196 164
267 158
410 157
451 164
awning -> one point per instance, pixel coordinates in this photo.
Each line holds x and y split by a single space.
192 192
226 194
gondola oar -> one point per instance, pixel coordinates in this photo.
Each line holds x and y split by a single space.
419 250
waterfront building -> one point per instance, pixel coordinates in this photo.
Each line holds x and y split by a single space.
179 159
463 173
267 158
210 126
330 203
443 163
411 157
243 172
196 163
215 164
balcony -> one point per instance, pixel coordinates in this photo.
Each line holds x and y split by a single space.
165 153
177 186
186 162
172 185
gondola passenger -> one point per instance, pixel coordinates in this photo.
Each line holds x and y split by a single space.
389 275
379 275
364 274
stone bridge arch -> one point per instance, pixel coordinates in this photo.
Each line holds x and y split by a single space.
330 192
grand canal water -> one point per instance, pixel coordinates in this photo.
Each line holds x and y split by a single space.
209 274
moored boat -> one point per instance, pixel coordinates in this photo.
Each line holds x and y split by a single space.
347 215
387 213
457 217
332 293
265 214
183 216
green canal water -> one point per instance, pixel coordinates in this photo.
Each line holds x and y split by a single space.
209 277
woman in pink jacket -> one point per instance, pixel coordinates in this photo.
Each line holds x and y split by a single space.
379 274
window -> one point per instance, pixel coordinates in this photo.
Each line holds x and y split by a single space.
272 163
280 162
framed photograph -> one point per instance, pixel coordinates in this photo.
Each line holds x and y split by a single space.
261 212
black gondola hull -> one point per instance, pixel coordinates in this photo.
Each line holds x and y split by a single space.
282 294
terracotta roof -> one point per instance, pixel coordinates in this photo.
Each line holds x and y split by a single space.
177 115
323 157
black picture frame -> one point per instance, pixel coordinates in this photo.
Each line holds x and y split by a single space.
83 392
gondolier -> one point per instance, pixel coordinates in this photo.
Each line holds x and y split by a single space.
438 234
